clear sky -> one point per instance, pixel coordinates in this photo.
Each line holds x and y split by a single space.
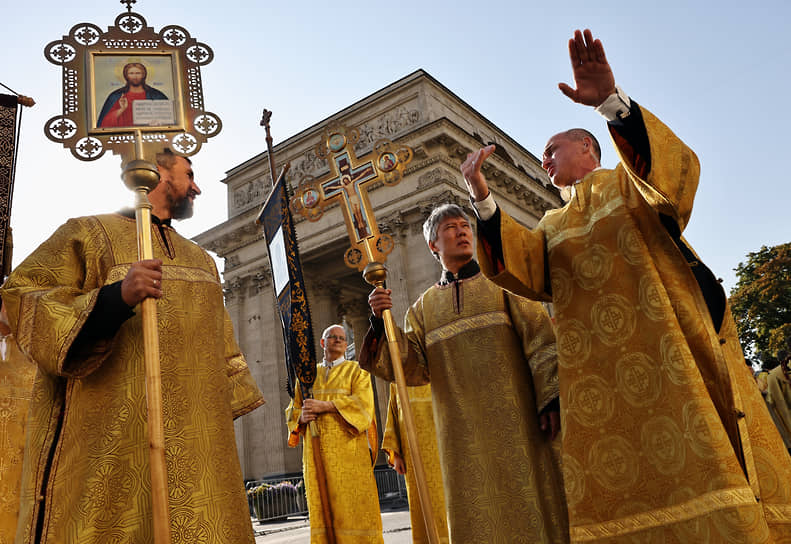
715 72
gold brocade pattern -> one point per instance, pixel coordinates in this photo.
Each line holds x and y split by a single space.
778 398
501 474
662 420
395 440
344 449
16 386
99 480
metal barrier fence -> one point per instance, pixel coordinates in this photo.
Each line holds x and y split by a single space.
277 498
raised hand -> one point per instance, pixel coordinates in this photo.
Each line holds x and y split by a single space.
592 74
471 170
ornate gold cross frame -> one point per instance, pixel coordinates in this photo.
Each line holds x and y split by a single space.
348 183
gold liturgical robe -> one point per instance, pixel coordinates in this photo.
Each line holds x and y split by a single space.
395 441
490 357
16 385
778 398
345 451
87 428
665 436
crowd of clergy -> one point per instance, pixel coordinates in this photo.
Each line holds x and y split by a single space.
628 416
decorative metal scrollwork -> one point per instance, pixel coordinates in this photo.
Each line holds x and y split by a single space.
207 124
131 23
85 33
174 35
60 128
185 143
59 52
200 53
88 149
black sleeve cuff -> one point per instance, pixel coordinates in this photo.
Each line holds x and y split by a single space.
632 129
109 313
377 325
489 233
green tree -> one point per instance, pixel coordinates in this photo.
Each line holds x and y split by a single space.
761 301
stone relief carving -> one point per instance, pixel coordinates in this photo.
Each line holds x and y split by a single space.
434 176
388 126
309 165
232 289
231 262
262 280
253 192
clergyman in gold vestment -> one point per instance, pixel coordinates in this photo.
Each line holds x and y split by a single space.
394 443
86 475
343 409
490 358
778 398
16 386
665 436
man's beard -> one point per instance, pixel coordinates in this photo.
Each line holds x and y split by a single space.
181 208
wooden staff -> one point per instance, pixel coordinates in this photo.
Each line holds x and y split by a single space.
375 274
315 441
142 176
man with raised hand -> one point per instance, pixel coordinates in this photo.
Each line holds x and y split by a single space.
665 436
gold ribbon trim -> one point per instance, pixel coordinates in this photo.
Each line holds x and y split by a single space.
467 324
699 506
595 217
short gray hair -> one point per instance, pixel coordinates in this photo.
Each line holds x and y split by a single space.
437 216
328 329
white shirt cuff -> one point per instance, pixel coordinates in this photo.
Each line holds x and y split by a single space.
485 208
616 106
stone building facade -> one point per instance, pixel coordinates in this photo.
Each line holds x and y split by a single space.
418 111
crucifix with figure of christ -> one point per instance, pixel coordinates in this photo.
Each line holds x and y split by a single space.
348 183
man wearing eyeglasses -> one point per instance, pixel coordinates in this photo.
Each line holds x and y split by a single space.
342 407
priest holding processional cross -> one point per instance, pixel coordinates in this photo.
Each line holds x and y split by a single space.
346 182
130 434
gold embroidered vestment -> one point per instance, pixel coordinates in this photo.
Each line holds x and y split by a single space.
778 398
345 451
16 386
491 361
665 435
98 487
395 440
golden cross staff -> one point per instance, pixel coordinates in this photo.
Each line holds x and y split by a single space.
348 183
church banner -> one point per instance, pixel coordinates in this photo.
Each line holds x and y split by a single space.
292 302
8 134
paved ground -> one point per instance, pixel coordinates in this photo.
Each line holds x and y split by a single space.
395 524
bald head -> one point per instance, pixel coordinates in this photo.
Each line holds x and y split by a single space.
570 155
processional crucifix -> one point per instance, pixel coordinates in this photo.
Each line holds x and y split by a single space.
168 111
348 183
